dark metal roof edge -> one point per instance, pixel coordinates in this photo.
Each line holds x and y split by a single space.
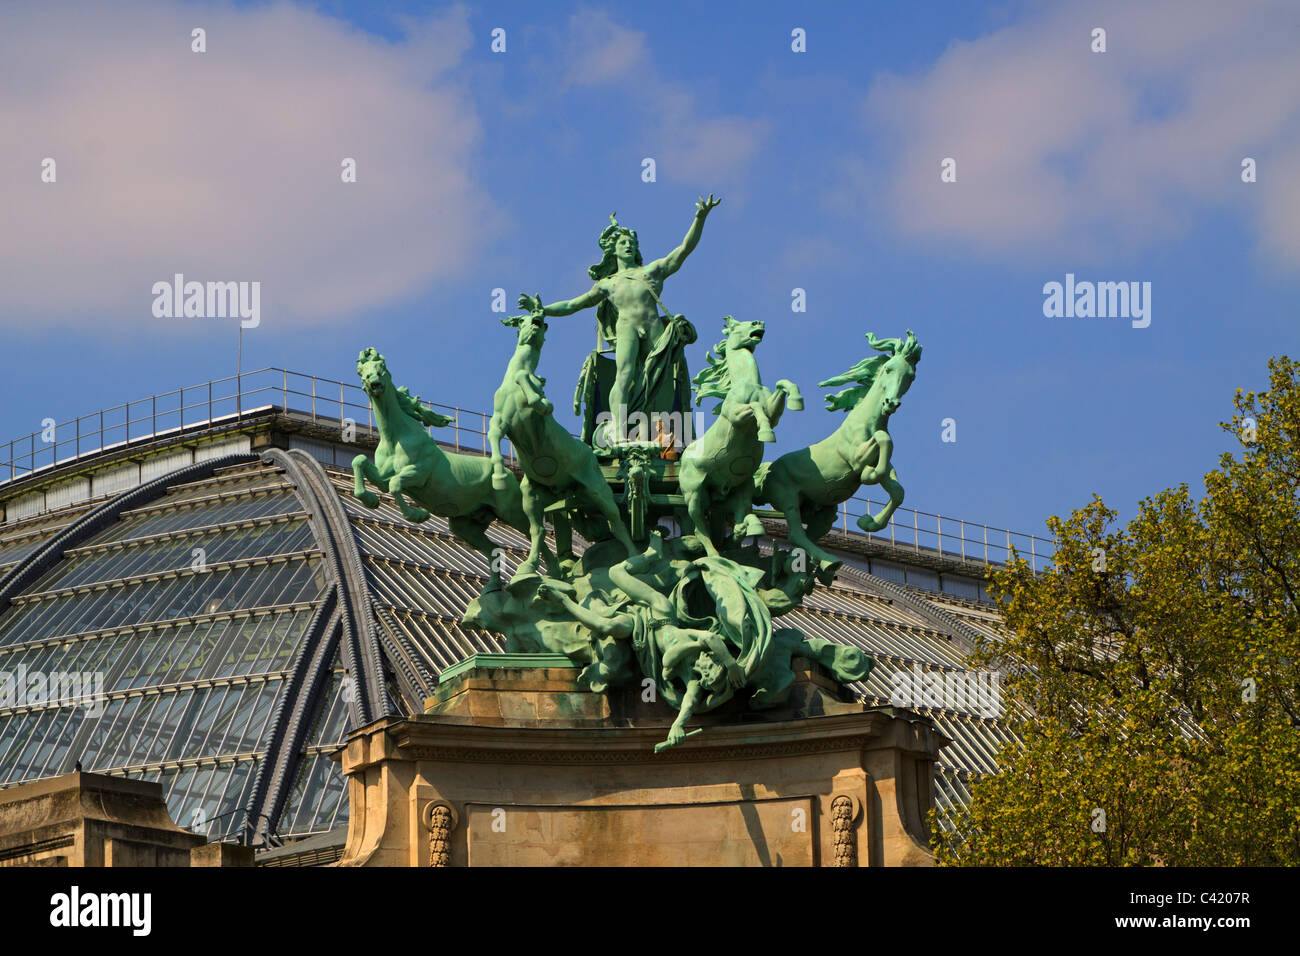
300 699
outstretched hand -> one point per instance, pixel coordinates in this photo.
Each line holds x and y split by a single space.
533 303
703 206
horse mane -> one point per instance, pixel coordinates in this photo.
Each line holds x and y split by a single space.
714 380
864 373
422 413
408 403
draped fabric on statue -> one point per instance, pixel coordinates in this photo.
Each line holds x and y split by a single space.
662 383
650 653
742 620
665 367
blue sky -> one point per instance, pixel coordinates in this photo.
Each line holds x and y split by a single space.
479 170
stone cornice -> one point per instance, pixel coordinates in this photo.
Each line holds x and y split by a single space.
433 738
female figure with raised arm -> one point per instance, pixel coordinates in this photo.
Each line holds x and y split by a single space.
626 295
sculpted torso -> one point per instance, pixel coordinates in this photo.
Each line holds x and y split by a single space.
629 292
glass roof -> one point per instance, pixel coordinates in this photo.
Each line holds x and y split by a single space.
187 612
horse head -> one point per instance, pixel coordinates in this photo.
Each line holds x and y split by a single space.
532 329
741 336
887 376
731 370
375 377
897 373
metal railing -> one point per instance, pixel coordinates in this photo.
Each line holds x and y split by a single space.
221 401
332 403
948 538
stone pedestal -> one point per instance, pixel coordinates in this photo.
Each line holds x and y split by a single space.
90 819
515 765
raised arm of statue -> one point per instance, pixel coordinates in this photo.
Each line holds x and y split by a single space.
673 261
594 296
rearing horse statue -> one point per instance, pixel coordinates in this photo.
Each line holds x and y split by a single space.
555 464
409 462
717 470
810 484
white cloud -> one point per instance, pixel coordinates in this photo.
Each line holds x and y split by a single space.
1062 149
600 52
225 165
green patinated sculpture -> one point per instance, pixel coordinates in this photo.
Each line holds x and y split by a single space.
694 615
530 626
702 630
717 471
408 462
555 464
808 485
650 369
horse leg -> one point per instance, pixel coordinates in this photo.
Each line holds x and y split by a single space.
597 493
739 505
738 414
553 564
820 522
775 402
875 523
563 544
765 433
693 485
474 533
496 432
395 487
786 500
884 447
507 506
534 508
363 470
793 397
529 384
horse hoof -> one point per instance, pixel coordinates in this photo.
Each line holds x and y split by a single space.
794 403
827 570
417 515
369 499
500 482
766 435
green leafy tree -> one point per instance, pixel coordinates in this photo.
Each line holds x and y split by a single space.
1152 674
